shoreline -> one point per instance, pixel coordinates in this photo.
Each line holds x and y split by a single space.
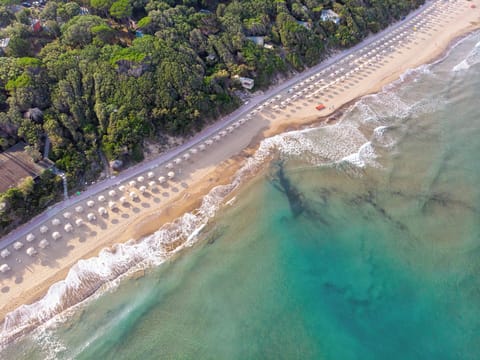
218 168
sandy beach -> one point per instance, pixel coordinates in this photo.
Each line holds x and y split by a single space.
30 277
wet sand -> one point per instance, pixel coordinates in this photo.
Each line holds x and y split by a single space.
30 277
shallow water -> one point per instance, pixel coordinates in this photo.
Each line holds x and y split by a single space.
361 242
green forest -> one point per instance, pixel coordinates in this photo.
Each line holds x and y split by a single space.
98 77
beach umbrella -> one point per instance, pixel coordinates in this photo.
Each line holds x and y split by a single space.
79 209
133 195
177 161
132 183
56 235
121 188
169 166
67 215
152 184
222 133
150 175
216 138
43 243
208 142
4 268
140 179
101 198
162 179
30 237
90 203
171 175
91 217
112 205
102 211
68 227
5 253
201 147
142 189
230 129
17 245
79 222
31 251
112 193
123 200
186 156
43 229
193 151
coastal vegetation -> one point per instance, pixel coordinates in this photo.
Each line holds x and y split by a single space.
98 78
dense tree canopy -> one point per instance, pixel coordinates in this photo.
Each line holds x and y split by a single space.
131 70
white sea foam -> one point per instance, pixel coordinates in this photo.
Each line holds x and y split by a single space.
366 155
89 278
472 58
339 143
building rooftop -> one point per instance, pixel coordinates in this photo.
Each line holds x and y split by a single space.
16 164
4 43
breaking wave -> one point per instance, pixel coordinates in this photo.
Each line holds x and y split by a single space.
98 274
472 58
353 140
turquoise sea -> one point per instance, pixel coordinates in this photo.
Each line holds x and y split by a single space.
361 240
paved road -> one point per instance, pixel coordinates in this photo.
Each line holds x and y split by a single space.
144 167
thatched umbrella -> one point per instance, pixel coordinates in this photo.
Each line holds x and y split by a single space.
5 253
17 245
43 229
90 203
56 235
68 227
43 243
31 251
30 237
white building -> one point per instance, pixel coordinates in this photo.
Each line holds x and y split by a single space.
330 15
